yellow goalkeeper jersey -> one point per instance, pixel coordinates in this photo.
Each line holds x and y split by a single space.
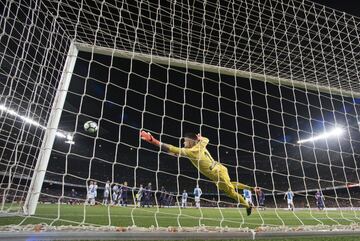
198 155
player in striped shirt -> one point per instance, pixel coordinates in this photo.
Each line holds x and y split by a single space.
184 198
248 196
90 194
197 195
289 195
139 195
115 193
106 193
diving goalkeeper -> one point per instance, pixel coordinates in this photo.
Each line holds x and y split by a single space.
195 150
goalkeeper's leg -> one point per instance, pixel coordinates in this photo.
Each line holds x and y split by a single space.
229 189
220 176
241 186
224 184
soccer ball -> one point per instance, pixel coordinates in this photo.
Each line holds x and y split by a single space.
90 127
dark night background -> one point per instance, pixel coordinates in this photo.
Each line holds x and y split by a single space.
152 97
253 126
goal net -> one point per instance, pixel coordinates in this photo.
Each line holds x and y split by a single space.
272 84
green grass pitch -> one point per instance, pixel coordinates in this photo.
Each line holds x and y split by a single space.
190 217
146 217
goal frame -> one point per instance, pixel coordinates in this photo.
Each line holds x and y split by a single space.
213 69
32 197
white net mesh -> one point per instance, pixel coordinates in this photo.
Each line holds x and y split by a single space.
254 78
32 47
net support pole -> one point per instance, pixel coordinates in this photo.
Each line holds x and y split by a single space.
50 133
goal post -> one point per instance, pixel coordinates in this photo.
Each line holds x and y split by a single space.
51 130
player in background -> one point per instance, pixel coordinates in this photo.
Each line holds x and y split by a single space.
106 195
115 193
147 196
319 200
261 198
197 195
119 202
139 195
93 193
195 150
169 199
289 195
184 198
73 197
89 194
123 196
162 197
248 196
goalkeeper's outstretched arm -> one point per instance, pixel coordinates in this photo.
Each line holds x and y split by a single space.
185 152
146 136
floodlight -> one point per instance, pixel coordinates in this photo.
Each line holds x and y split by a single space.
337 131
27 120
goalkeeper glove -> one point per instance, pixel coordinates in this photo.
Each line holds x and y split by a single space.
146 136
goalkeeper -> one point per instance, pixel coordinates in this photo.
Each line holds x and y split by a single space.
195 150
